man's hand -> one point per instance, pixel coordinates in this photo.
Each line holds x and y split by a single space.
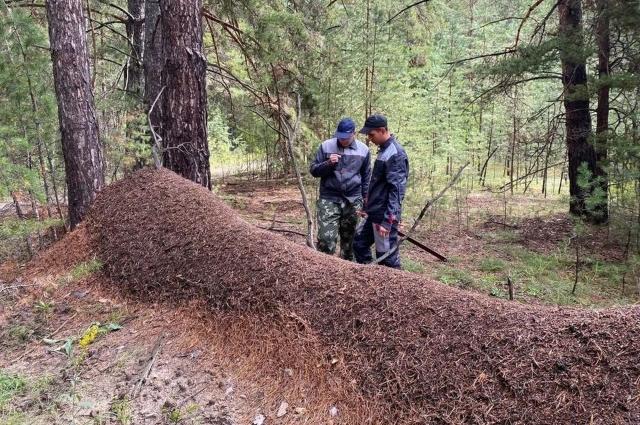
334 158
361 214
383 232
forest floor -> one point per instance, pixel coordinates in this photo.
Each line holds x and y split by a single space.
72 351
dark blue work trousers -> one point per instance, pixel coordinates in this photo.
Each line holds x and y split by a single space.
367 235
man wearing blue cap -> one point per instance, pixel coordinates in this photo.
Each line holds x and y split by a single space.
343 164
386 193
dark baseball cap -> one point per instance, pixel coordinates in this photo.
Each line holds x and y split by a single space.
346 127
372 122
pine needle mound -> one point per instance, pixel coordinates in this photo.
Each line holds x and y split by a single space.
426 352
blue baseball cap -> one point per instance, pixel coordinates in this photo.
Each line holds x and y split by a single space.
346 128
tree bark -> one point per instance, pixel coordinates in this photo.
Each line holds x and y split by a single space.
184 132
83 158
576 102
135 32
153 61
602 111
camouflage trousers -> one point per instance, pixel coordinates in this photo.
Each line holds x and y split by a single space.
337 219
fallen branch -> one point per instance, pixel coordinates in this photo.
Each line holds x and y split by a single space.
283 231
192 396
273 228
421 245
51 335
147 369
422 213
500 224
8 288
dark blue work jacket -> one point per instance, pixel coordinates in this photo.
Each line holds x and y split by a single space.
388 183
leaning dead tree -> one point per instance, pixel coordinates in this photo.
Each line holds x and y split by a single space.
290 137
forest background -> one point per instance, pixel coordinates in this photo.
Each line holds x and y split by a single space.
540 98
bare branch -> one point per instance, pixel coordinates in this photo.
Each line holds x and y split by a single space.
156 149
406 8
147 369
526 17
267 122
507 186
488 55
273 229
544 21
497 21
227 74
115 6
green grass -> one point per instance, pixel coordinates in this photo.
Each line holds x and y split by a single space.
493 265
81 271
11 386
411 266
43 306
20 333
121 410
450 275
540 278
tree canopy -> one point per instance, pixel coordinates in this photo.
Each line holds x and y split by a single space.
486 82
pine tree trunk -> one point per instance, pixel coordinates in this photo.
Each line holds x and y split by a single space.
153 60
576 101
135 33
602 111
184 131
84 163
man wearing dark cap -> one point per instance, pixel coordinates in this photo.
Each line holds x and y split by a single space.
386 193
344 166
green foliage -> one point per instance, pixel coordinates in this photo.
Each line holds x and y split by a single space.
18 391
21 333
527 61
83 341
121 409
225 147
15 228
43 306
28 113
595 197
84 270
453 276
412 266
493 265
10 385
178 414
13 232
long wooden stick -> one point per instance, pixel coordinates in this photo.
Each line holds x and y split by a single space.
421 245
147 369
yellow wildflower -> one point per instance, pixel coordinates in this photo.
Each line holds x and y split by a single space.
89 336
